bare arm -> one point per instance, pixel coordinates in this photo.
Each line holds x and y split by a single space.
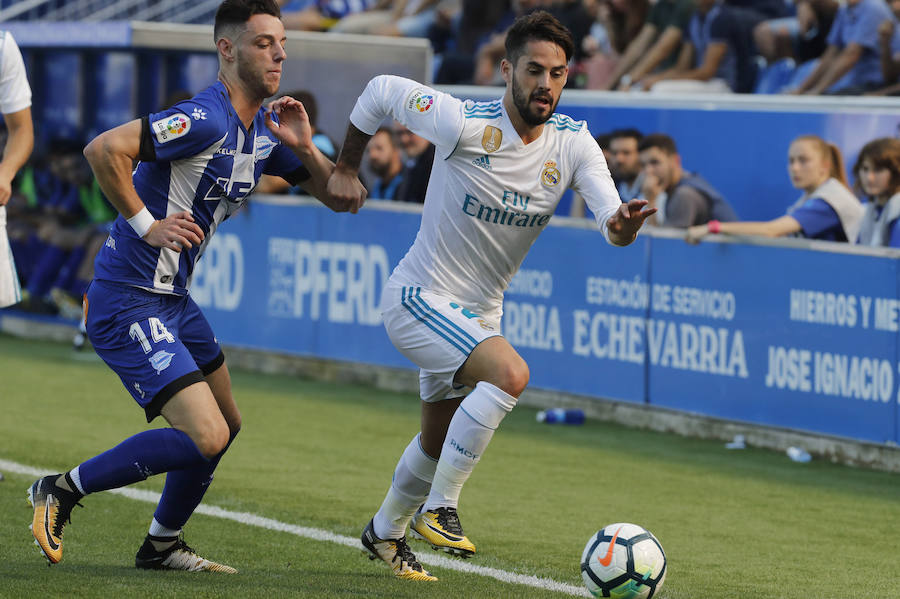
715 53
667 43
828 57
111 155
682 65
845 61
294 131
346 171
890 68
19 144
779 227
633 53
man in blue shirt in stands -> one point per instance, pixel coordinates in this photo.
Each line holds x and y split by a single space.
199 160
851 63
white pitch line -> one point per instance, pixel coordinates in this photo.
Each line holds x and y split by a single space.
318 534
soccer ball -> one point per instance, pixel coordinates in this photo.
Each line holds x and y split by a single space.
623 561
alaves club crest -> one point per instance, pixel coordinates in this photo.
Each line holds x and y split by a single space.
491 139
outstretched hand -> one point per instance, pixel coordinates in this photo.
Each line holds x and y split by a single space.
623 225
293 128
175 232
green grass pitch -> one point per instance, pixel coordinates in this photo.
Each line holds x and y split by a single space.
745 524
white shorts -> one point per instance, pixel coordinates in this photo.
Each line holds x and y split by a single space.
10 292
436 333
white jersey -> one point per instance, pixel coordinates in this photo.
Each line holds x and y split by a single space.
490 195
15 93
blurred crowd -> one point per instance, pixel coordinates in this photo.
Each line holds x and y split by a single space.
745 46
829 207
58 218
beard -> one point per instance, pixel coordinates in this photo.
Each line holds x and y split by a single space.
254 81
523 105
381 169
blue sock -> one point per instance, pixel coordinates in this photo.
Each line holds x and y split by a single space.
134 459
184 491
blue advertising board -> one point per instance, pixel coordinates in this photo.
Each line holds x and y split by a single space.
776 335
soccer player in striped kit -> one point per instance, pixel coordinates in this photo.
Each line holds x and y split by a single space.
199 160
499 171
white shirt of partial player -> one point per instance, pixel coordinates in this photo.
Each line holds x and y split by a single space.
490 195
15 93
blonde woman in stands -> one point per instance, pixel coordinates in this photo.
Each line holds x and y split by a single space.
827 209
877 173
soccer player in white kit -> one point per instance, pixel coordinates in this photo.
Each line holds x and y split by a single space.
499 171
15 104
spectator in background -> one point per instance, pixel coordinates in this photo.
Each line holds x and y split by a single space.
577 206
386 163
769 9
827 209
272 184
492 51
477 23
656 45
625 163
719 55
617 23
877 174
398 18
319 15
851 62
802 37
15 105
889 51
682 199
419 158
73 223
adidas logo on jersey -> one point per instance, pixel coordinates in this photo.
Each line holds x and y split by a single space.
484 162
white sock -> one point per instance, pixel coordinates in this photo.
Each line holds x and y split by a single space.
409 488
76 478
158 530
468 436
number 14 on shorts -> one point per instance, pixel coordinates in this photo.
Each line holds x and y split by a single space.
158 332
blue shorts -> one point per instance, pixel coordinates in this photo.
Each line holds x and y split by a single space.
158 344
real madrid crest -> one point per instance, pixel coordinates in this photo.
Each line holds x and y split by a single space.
550 176
491 139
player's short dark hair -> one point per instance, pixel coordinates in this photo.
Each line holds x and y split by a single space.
538 26
309 103
237 12
628 133
660 141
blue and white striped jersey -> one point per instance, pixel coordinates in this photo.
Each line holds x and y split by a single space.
205 162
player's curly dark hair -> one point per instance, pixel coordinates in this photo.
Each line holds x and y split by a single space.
237 12
537 26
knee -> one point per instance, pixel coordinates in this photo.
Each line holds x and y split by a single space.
513 377
212 438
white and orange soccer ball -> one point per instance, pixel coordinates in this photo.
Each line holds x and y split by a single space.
623 561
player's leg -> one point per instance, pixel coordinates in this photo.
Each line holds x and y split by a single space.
164 548
127 329
438 335
185 488
498 375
